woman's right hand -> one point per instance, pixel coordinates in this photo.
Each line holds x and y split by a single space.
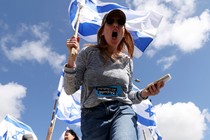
72 42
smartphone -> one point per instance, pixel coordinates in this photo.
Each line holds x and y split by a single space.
165 78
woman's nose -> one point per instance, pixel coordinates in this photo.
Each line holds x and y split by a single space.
115 24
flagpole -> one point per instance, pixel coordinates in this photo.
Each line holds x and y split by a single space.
151 133
52 123
144 134
73 50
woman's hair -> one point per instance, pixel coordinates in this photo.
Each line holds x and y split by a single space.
72 133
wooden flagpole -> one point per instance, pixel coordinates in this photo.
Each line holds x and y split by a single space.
73 50
52 123
144 134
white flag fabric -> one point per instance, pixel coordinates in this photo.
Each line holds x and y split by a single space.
147 117
142 25
13 129
68 108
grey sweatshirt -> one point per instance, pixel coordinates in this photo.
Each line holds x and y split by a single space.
92 72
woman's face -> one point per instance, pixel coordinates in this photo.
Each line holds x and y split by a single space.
113 31
68 136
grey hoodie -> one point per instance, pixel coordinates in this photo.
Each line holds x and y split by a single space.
92 72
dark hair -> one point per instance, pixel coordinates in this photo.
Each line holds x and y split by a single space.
72 133
27 137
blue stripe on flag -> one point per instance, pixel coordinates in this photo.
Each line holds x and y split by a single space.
141 42
5 135
145 122
74 9
105 8
158 136
90 27
18 124
76 102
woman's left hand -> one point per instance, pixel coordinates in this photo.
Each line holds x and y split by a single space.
152 89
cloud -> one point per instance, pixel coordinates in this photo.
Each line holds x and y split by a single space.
181 27
167 61
190 34
181 121
207 114
11 96
31 43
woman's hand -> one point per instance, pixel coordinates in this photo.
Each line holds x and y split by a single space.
73 42
152 89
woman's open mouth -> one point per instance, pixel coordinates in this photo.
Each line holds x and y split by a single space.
114 35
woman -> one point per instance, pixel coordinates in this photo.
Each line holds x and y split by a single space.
104 71
70 135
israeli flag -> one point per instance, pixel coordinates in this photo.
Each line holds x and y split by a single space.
147 117
142 25
13 129
68 108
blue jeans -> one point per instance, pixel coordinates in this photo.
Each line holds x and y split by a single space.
109 121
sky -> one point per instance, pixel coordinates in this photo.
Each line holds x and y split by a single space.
33 52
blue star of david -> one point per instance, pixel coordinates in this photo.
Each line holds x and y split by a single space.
70 109
18 133
149 110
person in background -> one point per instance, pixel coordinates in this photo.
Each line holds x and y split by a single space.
27 137
105 71
70 135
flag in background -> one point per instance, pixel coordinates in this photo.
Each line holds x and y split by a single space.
142 25
147 117
68 108
13 129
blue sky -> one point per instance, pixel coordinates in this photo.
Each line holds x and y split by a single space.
33 51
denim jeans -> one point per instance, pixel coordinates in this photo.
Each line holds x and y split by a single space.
109 121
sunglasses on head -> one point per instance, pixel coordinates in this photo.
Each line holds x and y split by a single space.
119 21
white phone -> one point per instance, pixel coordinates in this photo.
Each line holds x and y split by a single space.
165 78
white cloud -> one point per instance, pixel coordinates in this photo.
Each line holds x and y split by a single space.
180 121
35 49
190 34
182 26
184 7
11 96
167 61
